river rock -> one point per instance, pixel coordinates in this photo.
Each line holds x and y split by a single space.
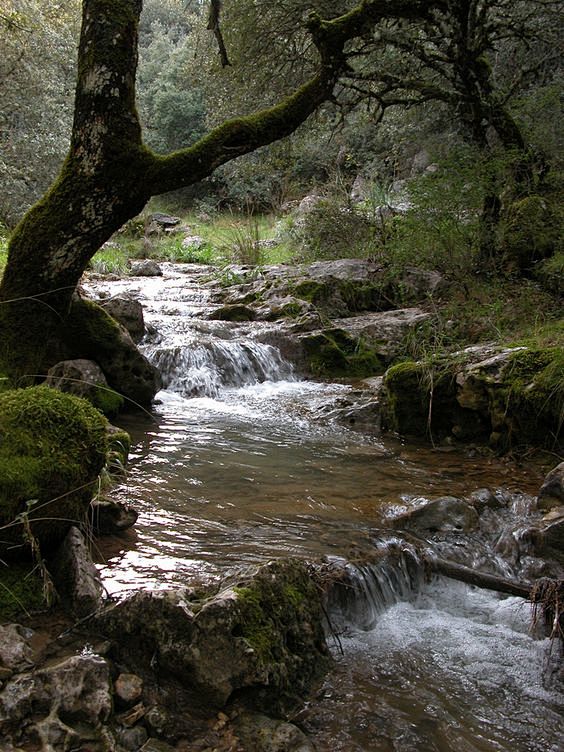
15 649
79 376
145 268
90 332
109 517
260 635
58 706
128 688
552 490
76 578
129 313
262 734
445 515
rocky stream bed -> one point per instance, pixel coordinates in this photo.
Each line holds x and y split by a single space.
288 583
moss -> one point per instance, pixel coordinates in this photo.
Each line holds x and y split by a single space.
258 626
106 400
550 273
92 330
335 353
52 449
532 398
21 591
420 400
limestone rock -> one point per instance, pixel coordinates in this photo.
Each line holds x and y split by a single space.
262 734
260 636
15 649
129 313
447 514
58 705
384 331
84 378
145 268
90 332
159 222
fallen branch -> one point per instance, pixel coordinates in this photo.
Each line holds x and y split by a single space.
480 579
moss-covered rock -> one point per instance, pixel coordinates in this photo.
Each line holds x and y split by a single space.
420 400
512 397
334 353
550 273
530 404
530 231
90 332
52 449
259 639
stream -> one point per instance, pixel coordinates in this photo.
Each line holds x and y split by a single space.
240 462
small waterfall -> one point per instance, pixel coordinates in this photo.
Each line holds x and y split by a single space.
362 592
206 368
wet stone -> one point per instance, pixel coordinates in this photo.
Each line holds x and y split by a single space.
128 688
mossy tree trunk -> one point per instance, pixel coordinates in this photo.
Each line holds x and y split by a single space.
109 174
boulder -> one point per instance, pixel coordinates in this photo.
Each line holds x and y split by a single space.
260 637
61 706
445 515
90 332
129 313
145 268
85 378
52 449
552 490
109 517
158 222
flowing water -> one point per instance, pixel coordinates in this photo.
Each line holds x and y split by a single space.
239 463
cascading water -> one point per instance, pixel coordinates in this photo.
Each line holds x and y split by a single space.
206 369
237 465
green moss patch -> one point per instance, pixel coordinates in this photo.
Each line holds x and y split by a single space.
533 396
52 449
334 353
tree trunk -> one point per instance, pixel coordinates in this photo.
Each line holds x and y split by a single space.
109 174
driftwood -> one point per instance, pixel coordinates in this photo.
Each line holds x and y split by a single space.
480 579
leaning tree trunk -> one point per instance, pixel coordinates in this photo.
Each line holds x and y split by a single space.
109 174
